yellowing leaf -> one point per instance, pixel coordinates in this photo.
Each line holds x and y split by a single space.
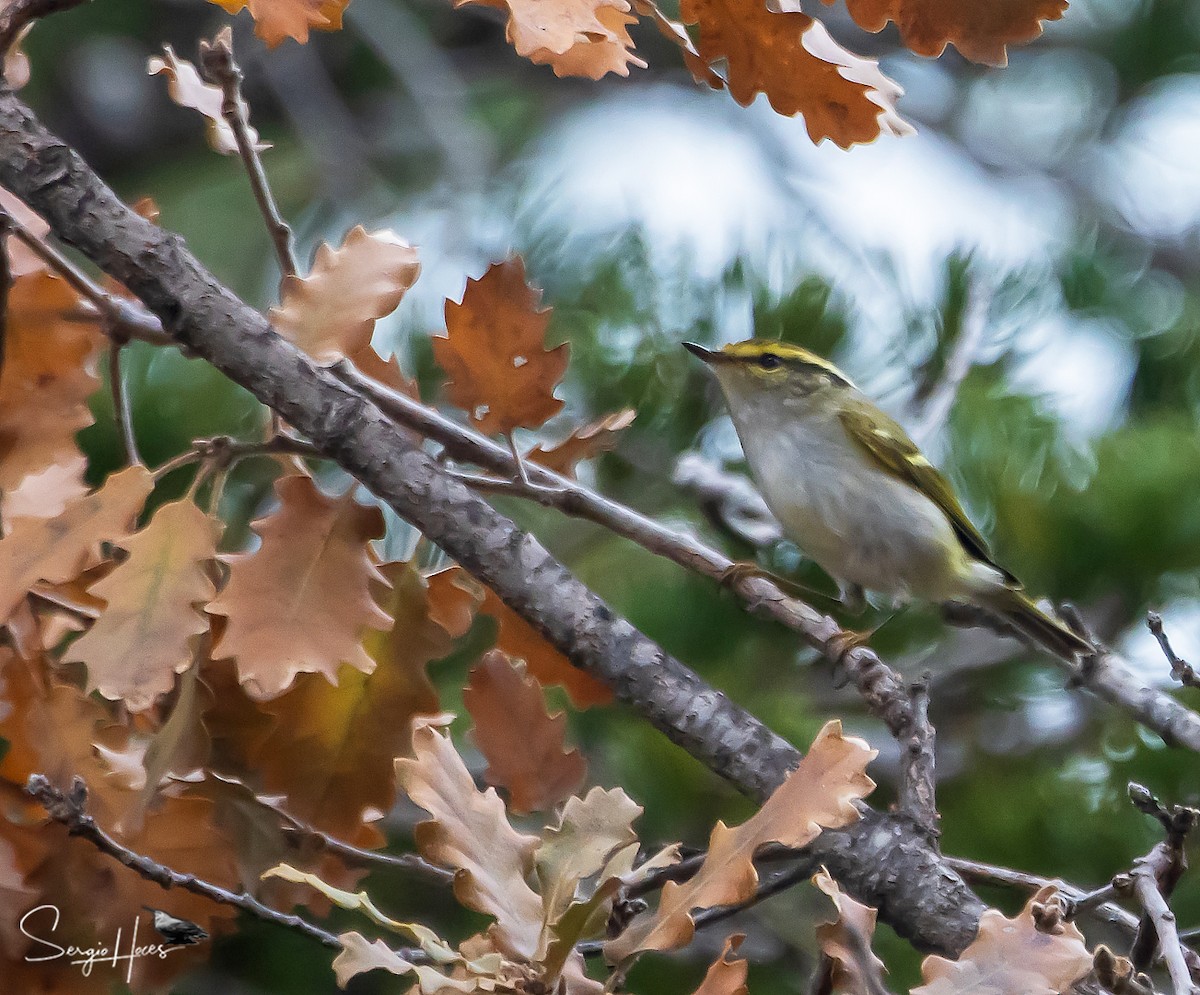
494 352
187 89
144 636
979 29
595 56
600 436
521 640
275 20
791 58
847 941
331 313
331 750
524 745
470 833
301 602
46 379
819 794
59 549
1011 957
727 974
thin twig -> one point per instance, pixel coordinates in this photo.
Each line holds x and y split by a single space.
122 409
18 13
917 794
223 452
216 59
1181 670
298 832
70 809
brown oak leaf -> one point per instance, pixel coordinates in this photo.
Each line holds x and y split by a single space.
525 746
331 313
146 632
302 601
727 974
595 56
600 436
275 20
494 352
846 941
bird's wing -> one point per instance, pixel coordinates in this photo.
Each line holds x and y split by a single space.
884 441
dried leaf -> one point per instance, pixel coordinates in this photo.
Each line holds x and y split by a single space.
331 313
591 440
16 62
46 379
979 29
275 20
331 749
786 55
470 833
727 974
520 640
186 87
494 352
454 599
524 745
359 956
146 633
819 794
847 941
554 28
595 56
21 259
302 601
1011 957
59 549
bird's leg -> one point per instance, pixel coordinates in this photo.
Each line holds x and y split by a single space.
745 569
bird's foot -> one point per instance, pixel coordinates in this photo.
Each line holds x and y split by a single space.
742 570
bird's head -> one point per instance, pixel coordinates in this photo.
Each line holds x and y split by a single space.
765 371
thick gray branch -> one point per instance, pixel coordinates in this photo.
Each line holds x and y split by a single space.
880 860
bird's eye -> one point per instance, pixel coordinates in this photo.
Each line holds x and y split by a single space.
769 361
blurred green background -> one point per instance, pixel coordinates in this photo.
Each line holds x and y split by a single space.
1059 195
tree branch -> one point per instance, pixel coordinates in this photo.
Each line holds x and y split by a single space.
18 13
1181 670
881 861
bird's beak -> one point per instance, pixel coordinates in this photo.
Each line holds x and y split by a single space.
706 355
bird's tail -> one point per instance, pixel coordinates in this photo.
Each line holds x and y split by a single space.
1016 607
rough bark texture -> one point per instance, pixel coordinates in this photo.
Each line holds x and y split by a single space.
882 861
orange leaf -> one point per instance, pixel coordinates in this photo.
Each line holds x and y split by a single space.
331 313
791 58
819 794
145 635
59 549
726 975
301 602
521 640
332 748
494 352
847 940
600 436
557 26
275 20
524 745
979 29
454 598
187 89
1011 955
595 56
470 833
45 382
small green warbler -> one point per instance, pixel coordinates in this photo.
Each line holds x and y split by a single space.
853 491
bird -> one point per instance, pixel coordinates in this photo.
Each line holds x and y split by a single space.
857 495
177 932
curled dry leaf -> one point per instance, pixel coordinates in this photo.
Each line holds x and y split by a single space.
1011 957
275 20
46 379
145 635
727 974
847 941
819 794
598 437
595 56
302 601
187 89
788 56
524 745
494 352
552 29
331 313
470 833
979 29
59 549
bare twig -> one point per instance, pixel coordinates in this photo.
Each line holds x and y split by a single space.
122 409
18 13
216 58
223 452
917 795
70 809
1181 670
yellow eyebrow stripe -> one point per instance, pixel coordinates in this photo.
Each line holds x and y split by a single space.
754 348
